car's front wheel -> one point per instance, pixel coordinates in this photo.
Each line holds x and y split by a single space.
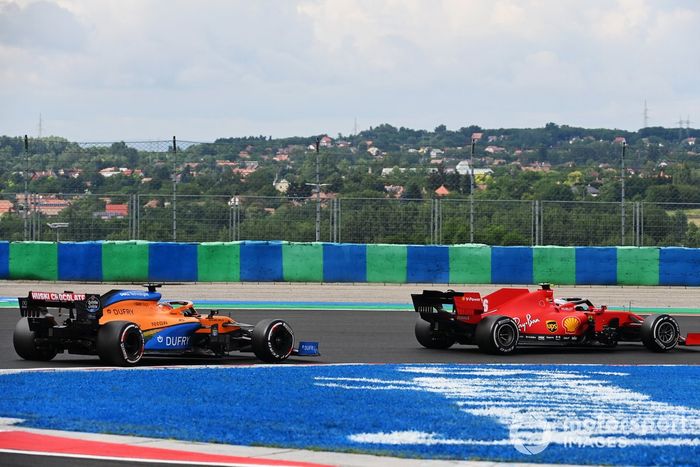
660 333
272 340
25 345
120 343
497 335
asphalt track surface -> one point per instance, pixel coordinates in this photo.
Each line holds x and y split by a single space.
362 337
374 337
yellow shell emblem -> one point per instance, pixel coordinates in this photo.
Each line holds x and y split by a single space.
571 324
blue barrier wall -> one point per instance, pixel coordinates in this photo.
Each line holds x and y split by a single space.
172 262
266 262
596 266
428 264
4 260
511 265
80 261
261 261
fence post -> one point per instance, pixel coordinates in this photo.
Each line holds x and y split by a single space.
622 191
432 221
641 223
26 187
138 217
335 217
338 224
435 221
174 194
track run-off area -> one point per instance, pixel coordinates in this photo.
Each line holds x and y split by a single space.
374 389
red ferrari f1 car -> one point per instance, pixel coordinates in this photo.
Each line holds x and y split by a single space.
509 317
122 326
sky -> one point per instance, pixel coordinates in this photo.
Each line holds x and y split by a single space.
131 70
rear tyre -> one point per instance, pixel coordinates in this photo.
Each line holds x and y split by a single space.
25 346
273 340
120 343
497 335
660 333
432 339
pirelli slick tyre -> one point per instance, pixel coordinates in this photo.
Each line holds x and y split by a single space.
120 343
660 333
497 335
431 339
273 340
25 346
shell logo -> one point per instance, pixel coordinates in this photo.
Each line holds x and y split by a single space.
571 324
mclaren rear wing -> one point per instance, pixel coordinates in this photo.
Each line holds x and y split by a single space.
84 308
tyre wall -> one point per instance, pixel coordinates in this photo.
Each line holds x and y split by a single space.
134 261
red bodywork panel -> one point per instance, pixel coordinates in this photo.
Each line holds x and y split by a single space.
693 338
536 312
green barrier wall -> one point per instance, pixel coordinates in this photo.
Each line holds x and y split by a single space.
470 264
219 262
34 260
386 263
554 264
302 262
125 261
637 266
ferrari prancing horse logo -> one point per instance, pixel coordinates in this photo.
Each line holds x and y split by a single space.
552 326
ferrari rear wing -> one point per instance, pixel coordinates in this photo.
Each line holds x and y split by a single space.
86 308
432 301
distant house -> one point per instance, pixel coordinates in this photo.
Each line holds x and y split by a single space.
5 207
243 172
592 191
112 171
113 211
477 136
395 191
619 140
282 186
463 169
281 157
117 210
36 175
494 149
72 173
374 151
326 142
49 205
442 191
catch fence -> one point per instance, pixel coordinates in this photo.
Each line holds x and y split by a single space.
192 218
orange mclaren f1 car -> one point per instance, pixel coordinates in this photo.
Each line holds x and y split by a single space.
501 321
122 326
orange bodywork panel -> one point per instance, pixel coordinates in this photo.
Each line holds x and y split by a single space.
150 315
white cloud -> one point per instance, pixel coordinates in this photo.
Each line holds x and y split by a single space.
121 69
